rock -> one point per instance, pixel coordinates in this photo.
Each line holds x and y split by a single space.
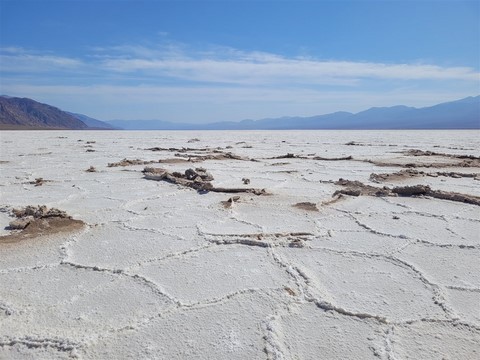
201 173
190 174
38 181
20 224
227 204
39 212
412 190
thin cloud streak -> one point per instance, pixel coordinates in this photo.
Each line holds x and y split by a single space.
228 66
16 59
172 82
281 70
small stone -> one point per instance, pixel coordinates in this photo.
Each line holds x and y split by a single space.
20 224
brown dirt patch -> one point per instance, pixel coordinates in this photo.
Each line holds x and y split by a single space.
357 188
310 157
33 222
308 206
411 173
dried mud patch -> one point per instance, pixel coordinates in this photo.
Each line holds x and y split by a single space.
416 152
429 159
411 173
130 162
312 157
308 206
39 181
33 222
357 188
202 154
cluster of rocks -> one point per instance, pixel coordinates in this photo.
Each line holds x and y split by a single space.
198 175
198 179
25 216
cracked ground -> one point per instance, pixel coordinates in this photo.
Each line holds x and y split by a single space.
306 269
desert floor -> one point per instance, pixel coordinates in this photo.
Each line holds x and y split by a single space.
262 253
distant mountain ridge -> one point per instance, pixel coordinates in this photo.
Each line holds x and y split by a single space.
93 123
460 114
24 113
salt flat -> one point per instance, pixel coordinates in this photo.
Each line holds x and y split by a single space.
274 258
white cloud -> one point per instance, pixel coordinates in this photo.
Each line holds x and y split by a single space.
172 82
233 66
225 65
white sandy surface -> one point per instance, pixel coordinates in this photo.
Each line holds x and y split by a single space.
162 271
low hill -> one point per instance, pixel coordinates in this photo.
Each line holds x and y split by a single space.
93 123
24 113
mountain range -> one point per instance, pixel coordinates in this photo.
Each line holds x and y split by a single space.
24 113
460 114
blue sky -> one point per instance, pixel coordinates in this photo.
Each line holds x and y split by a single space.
204 61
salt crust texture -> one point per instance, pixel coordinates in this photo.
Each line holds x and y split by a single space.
164 271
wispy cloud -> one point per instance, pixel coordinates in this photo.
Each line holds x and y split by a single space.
237 67
219 83
16 59
228 66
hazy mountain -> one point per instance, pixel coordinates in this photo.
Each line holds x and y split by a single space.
23 113
460 114
92 123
